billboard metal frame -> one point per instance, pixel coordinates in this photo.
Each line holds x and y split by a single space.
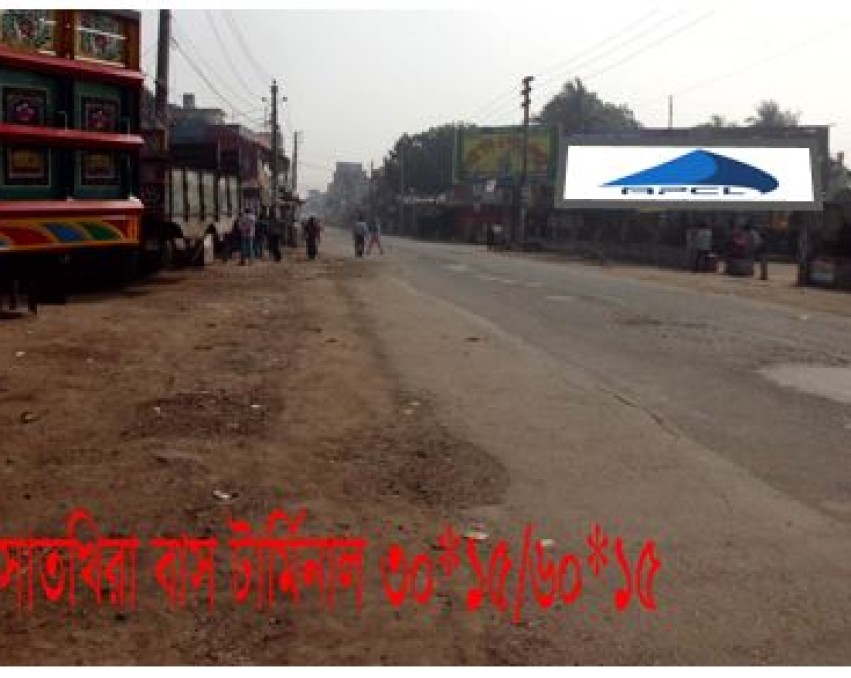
813 138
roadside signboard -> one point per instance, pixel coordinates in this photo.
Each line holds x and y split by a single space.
484 153
755 174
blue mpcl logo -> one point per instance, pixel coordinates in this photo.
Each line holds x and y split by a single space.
698 173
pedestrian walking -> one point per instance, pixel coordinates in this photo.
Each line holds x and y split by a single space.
359 232
261 234
247 224
275 234
312 230
374 236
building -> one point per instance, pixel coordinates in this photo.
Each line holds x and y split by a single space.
348 190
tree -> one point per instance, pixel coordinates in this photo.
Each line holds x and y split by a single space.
427 158
769 114
577 109
719 121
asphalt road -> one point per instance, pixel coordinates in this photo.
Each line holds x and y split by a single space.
646 409
695 361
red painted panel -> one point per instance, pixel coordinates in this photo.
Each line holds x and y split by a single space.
48 208
26 237
77 69
28 134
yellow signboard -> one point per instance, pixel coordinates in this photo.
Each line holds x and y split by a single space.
497 153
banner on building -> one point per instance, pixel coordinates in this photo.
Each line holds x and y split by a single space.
763 174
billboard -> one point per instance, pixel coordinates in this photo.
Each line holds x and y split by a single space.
483 153
755 174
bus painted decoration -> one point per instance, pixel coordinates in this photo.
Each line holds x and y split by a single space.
24 106
31 29
100 115
100 37
26 167
34 234
99 168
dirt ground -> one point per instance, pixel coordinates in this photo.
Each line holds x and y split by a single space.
199 396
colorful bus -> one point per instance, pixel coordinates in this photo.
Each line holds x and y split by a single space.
70 87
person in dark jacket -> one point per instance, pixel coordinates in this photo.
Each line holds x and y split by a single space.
311 237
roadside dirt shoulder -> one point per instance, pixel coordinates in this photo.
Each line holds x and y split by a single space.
217 395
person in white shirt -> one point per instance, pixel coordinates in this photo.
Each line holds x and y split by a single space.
359 232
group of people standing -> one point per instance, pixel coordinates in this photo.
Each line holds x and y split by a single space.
251 236
742 243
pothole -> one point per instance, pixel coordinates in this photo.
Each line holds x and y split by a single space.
824 381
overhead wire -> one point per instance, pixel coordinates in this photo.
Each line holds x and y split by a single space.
626 37
754 64
759 62
234 27
619 45
182 34
659 41
225 51
200 73
489 108
653 43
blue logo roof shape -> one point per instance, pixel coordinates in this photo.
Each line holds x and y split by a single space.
701 168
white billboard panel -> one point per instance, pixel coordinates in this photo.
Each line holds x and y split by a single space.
689 177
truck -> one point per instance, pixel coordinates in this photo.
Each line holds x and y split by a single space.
190 202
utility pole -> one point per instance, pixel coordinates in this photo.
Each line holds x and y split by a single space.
295 162
275 150
402 186
371 191
526 91
670 111
161 90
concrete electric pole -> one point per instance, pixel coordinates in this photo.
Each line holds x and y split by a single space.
402 185
525 193
161 91
275 151
295 162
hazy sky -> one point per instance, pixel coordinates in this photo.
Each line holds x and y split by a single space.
357 78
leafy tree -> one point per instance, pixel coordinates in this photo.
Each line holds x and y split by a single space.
577 109
719 121
769 114
427 158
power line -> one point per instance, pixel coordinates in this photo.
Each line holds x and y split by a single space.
489 109
231 22
205 66
754 64
229 61
664 38
759 62
680 29
200 73
628 40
